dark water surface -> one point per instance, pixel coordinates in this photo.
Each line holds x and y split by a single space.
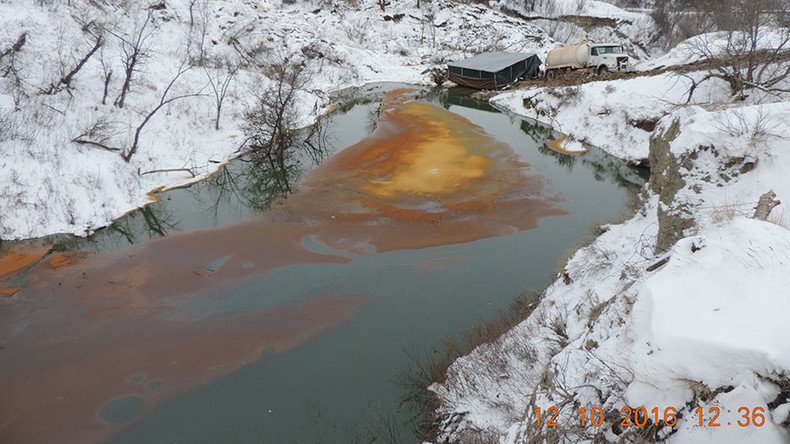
263 320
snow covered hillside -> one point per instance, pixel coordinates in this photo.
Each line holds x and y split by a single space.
572 21
683 306
50 183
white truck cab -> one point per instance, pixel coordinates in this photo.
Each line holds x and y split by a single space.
597 57
608 55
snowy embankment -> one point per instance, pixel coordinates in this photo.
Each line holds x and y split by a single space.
683 306
574 21
617 116
50 184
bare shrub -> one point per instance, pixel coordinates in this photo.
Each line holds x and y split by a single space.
107 75
677 20
780 219
724 213
427 368
199 22
357 31
757 130
98 134
7 126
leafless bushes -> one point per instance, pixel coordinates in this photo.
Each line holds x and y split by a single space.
7 126
678 20
757 129
199 22
357 31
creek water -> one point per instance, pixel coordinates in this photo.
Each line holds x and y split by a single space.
225 312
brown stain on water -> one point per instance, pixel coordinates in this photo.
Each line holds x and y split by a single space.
56 396
425 177
13 261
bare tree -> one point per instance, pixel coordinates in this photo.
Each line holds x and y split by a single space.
753 49
192 13
219 79
107 77
198 32
100 133
269 125
677 20
164 100
429 19
135 50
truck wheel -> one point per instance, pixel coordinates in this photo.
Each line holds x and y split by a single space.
603 70
551 75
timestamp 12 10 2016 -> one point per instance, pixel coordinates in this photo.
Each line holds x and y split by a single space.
643 416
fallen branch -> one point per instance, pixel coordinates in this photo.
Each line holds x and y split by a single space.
16 47
167 170
658 264
65 81
764 206
96 144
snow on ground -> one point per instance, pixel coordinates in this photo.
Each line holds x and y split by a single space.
712 316
704 329
559 8
573 21
617 116
721 43
48 184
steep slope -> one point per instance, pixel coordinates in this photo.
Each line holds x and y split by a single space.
50 184
677 309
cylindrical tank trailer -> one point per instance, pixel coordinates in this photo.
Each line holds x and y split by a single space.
601 57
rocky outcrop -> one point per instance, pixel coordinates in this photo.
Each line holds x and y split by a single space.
666 179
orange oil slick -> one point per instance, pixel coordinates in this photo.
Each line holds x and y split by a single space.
426 177
58 396
16 260
9 291
65 258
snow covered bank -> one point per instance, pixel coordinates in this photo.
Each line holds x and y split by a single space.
618 116
630 323
50 184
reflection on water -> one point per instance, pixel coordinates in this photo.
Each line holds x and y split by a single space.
404 238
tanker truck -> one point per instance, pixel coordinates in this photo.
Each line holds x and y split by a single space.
600 57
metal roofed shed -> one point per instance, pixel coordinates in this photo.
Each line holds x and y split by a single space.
491 70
